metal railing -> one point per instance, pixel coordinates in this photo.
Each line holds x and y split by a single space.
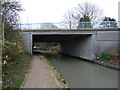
71 25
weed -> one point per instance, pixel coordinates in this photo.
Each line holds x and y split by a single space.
106 56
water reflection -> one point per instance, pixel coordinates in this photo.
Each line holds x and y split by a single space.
82 74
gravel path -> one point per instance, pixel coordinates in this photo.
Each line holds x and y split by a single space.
39 75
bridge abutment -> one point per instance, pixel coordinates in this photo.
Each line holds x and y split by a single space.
27 39
107 41
81 47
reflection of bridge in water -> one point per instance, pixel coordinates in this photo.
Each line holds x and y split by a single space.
87 43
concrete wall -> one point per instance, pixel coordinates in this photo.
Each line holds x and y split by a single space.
107 41
92 46
82 47
89 47
27 39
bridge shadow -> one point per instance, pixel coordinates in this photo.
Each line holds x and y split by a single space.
37 53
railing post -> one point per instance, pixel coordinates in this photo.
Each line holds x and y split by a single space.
70 24
109 24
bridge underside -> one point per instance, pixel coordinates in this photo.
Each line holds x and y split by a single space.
57 38
74 45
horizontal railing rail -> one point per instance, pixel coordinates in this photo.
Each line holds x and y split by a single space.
69 25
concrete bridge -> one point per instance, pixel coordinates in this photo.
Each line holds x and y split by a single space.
84 43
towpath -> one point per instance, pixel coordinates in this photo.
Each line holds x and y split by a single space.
40 75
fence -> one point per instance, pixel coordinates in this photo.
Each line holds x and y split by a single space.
70 25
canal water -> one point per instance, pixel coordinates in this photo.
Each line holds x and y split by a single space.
83 74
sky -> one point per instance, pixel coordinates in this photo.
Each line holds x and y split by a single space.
41 11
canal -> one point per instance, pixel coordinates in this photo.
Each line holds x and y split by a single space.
83 74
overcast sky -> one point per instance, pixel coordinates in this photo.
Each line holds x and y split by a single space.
38 11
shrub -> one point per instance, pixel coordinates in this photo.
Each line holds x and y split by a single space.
13 72
105 56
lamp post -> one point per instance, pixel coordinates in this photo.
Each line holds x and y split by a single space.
1 32
1 44
119 14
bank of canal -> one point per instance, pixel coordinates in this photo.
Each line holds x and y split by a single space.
82 74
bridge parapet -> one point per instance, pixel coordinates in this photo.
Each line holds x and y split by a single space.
68 26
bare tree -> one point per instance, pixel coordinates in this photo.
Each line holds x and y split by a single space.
69 19
10 17
92 11
10 12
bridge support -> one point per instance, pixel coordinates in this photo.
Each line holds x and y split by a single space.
27 39
81 47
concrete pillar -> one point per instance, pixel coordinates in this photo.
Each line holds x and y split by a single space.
27 38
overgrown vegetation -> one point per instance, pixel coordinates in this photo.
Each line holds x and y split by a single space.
113 58
15 59
14 71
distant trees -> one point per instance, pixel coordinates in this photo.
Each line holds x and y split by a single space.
108 22
84 22
85 10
